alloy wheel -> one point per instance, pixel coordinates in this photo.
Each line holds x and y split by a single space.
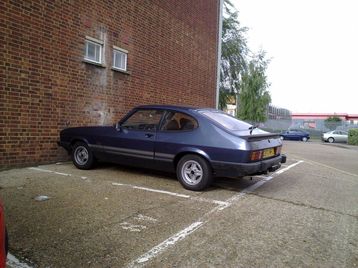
81 155
192 172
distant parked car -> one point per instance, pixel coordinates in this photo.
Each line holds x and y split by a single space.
335 136
198 144
295 134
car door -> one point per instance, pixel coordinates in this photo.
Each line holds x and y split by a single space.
340 137
132 143
300 135
284 135
291 135
344 136
177 131
336 136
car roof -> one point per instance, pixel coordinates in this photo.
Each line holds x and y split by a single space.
173 107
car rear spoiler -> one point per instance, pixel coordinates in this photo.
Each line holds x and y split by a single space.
259 137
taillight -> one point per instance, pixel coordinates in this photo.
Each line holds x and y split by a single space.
256 155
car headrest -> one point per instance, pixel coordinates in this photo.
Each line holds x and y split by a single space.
172 125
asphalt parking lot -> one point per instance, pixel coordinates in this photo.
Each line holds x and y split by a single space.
303 215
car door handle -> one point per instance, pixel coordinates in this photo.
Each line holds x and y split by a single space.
148 135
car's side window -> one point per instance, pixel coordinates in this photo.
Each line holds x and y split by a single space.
175 121
147 120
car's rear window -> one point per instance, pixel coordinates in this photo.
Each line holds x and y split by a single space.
225 120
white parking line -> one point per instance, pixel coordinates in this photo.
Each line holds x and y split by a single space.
151 190
287 168
13 262
168 242
41 169
221 205
200 199
160 248
49 171
217 202
330 167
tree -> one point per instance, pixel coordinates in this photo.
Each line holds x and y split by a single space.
234 53
254 96
241 73
332 122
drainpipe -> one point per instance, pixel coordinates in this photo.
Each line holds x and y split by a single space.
220 26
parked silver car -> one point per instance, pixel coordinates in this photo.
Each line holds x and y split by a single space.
335 136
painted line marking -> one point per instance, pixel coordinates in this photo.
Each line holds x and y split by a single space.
63 174
132 227
158 249
151 190
212 201
287 168
336 169
40 169
135 227
13 262
141 217
168 242
260 176
217 202
196 225
49 171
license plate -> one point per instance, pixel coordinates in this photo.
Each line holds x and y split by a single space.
268 153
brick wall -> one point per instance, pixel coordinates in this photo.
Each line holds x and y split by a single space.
45 86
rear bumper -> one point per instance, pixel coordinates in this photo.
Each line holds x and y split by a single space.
229 169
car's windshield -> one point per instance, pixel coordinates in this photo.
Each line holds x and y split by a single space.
226 120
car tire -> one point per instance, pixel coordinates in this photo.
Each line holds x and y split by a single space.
194 172
331 140
82 156
304 139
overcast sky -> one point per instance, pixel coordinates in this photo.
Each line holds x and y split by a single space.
313 46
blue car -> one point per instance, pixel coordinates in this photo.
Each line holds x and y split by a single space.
198 144
295 134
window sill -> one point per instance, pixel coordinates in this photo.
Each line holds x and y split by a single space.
94 63
120 71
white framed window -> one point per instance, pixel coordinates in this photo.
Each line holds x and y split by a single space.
93 50
120 58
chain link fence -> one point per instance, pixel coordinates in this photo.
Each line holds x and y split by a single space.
314 127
